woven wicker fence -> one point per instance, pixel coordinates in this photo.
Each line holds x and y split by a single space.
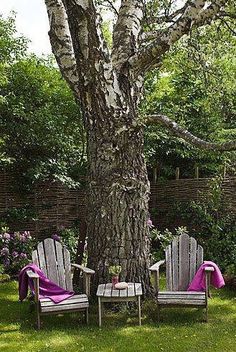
53 206
165 196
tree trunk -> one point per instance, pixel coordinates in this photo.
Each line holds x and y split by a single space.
118 194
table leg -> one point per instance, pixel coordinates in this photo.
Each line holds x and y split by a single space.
99 312
139 310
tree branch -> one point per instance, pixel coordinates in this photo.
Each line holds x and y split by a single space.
60 39
86 34
111 6
189 137
165 18
126 31
196 14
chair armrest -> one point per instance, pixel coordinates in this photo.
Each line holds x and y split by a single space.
209 269
87 273
35 278
83 269
32 275
155 271
156 266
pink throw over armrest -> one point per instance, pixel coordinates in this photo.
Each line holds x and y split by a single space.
199 282
47 288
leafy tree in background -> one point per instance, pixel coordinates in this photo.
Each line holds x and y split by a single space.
41 132
196 87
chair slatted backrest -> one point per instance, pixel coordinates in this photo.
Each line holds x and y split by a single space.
183 258
54 260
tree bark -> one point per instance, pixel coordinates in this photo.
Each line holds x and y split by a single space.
118 202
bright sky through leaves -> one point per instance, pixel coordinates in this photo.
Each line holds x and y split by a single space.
31 21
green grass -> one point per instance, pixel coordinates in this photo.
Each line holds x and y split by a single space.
180 330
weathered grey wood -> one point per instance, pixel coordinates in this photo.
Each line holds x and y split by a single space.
54 261
138 289
106 293
99 312
157 265
175 264
41 257
155 272
100 290
169 276
193 258
72 300
199 256
64 308
35 258
181 293
68 276
115 293
119 299
183 257
124 293
83 268
51 262
32 275
131 291
209 268
182 302
60 264
183 262
87 315
185 296
139 311
107 290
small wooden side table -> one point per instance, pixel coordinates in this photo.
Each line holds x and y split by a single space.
106 293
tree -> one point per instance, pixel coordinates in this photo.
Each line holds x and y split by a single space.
41 131
200 95
108 86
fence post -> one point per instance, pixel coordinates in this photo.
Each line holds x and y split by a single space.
177 172
155 175
196 172
224 171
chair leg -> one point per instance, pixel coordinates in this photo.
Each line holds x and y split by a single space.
158 313
99 312
206 313
139 311
38 321
87 316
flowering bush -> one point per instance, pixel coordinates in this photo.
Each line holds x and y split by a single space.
15 251
68 237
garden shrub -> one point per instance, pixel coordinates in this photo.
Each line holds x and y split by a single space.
15 251
68 237
161 239
213 225
211 222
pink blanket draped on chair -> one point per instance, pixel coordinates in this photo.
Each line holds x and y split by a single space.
199 282
47 288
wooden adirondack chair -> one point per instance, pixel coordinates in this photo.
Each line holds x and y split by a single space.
54 260
183 258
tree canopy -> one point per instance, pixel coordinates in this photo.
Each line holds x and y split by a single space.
41 130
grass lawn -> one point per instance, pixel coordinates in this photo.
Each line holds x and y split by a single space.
181 329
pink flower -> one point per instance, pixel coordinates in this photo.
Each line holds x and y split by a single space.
23 238
7 236
23 255
5 252
56 238
150 224
15 254
27 234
